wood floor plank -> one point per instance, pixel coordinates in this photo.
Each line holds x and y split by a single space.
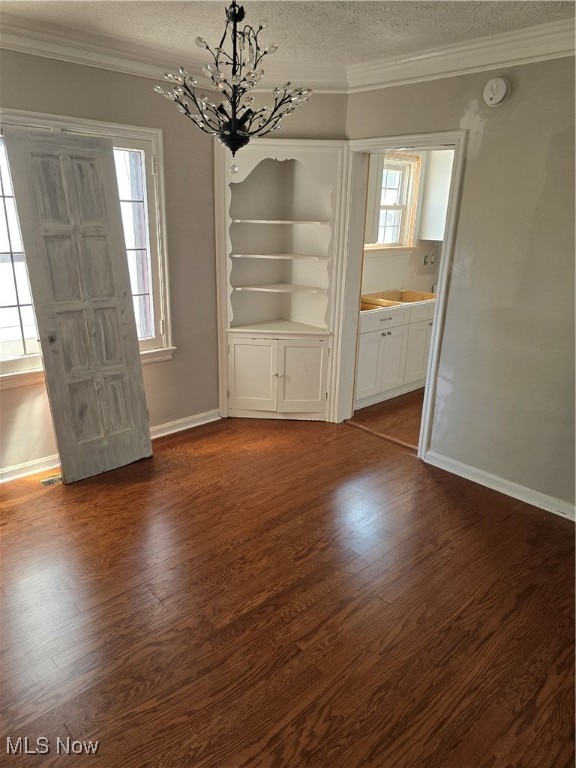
398 418
286 595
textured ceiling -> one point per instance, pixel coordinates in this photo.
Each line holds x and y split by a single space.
328 33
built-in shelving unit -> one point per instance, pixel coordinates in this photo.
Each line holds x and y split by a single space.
281 288
280 236
281 239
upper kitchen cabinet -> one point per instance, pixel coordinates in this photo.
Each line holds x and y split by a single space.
435 193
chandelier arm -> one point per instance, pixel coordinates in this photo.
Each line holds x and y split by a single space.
257 58
200 109
221 43
209 129
260 134
274 115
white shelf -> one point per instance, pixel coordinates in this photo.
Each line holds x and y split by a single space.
282 327
278 221
278 256
280 288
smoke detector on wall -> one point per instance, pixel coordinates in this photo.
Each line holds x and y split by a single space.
496 91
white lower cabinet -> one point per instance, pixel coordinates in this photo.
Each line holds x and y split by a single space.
277 376
381 360
392 361
417 351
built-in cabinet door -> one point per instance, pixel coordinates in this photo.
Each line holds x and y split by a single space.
369 364
302 374
393 357
253 374
417 351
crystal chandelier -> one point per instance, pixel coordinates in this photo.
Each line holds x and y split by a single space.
233 120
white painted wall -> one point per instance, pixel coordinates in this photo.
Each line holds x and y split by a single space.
505 401
384 271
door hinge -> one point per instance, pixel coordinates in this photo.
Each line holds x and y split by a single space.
227 349
329 351
326 395
228 393
154 165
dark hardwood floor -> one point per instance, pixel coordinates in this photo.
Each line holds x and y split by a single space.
397 419
291 594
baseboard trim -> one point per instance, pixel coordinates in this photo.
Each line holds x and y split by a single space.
16 471
45 463
381 397
535 498
181 424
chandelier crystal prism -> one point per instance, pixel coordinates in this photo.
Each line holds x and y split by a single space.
234 120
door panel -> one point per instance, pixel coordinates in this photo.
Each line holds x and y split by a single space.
393 358
252 374
69 211
369 364
418 350
63 268
95 266
301 376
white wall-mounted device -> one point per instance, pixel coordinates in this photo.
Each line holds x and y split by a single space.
496 91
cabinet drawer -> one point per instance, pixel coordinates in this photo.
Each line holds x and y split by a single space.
422 311
390 317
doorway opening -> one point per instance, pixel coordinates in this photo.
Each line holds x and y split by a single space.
406 206
404 193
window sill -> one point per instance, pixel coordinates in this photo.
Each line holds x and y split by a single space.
387 250
21 379
156 355
36 376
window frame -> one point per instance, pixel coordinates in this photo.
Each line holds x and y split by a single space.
29 370
410 165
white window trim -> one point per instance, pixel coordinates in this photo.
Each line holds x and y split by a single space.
155 176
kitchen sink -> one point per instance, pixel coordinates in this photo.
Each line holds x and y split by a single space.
390 298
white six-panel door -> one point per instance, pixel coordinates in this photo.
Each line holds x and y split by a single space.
69 211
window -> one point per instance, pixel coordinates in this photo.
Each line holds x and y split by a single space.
18 335
140 192
392 197
131 173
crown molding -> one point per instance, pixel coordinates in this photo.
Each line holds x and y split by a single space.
524 46
120 54
116 53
